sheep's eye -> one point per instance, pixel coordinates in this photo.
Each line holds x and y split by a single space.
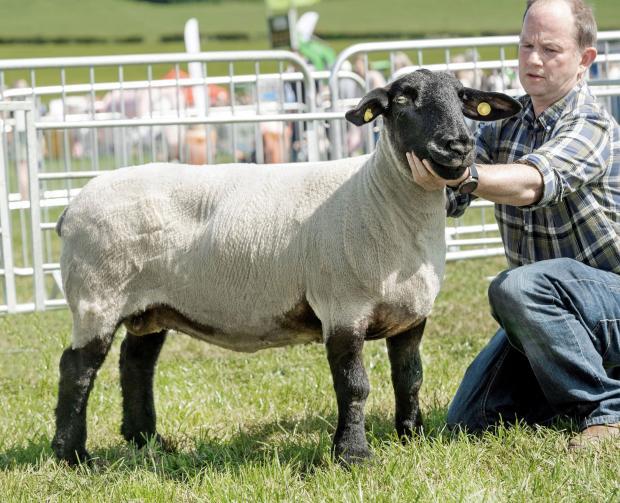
401 100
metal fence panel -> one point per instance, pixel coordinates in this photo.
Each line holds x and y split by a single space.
25 112
83 127
229 107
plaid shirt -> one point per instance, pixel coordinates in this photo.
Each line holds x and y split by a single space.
575 145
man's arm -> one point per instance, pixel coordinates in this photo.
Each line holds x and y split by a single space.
513 184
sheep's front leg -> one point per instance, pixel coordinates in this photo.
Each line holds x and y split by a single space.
344 352
137 367
404 353
78 369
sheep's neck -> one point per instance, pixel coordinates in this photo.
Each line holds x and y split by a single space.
390 178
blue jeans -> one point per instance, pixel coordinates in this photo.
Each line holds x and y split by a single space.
557 351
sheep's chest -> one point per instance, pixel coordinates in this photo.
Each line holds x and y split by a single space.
386 321
403 303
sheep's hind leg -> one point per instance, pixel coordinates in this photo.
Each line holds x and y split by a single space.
137 366
344 352
78 369
404 353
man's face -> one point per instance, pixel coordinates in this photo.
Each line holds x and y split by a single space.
550 63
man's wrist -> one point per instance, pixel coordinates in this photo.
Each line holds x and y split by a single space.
468 183
454 184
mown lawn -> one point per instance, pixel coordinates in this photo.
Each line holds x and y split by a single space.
257 427
114 20
105 25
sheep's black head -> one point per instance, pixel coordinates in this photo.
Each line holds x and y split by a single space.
423 112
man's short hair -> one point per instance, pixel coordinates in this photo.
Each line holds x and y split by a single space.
585 24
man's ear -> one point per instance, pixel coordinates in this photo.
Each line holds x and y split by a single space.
370 107
588 55
487 106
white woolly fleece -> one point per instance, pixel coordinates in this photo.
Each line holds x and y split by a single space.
235 247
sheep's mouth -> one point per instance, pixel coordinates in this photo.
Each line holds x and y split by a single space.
450 163
449 172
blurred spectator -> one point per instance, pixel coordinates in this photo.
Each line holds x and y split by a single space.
173 100
373 78
357 140
400 60
468 77
276 136
19 139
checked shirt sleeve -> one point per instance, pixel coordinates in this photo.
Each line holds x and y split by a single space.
578 152
456 204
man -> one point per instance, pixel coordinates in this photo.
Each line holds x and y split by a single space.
554 173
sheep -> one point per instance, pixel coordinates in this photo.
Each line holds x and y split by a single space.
249 257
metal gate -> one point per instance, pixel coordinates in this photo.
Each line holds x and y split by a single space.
200 108
81 126
25 142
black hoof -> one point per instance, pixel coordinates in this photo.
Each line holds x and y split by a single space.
407 429
348 456
73 458
139 440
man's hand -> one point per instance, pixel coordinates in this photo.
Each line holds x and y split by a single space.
426 178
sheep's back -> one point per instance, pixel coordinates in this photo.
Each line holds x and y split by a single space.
225 242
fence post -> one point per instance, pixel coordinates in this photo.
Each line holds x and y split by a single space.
35 207
5 227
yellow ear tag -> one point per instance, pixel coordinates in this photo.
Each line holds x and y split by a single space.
484 108
368 115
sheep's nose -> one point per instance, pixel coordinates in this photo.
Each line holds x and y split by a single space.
461 145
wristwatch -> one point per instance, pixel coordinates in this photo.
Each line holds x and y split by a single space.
470 183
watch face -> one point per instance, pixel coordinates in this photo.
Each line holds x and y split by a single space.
468 187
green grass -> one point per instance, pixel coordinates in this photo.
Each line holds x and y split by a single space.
116 19
257 427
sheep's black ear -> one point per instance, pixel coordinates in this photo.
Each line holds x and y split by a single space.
369 108
487 106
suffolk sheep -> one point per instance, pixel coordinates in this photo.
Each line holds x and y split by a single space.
250 257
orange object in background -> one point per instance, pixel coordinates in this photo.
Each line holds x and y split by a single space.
196 140
186 90
218 95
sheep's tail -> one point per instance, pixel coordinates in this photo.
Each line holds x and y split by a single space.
61 218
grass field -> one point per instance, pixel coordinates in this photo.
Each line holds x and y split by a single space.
257 427
115 20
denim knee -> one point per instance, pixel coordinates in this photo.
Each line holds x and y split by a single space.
508 293
516 297
529 296
513 292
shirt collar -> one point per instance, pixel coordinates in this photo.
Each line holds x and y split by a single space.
550 116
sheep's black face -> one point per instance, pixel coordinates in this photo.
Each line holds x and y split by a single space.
423 112
425 116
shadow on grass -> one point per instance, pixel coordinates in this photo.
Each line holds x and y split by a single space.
301 444
31 454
